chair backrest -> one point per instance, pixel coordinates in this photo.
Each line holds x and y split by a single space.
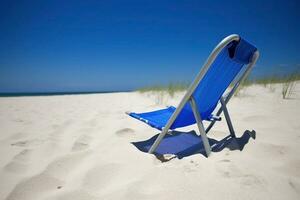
217 79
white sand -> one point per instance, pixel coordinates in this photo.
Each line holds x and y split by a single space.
78 147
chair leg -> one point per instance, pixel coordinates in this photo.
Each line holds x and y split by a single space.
200 127
227 117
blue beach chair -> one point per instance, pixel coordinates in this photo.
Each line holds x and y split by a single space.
229 63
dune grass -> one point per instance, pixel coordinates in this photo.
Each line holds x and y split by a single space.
170 88
278 79
287 82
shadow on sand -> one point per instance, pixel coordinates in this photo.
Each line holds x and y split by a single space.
183 144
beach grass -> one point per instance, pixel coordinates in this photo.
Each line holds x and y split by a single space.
287 84
170 88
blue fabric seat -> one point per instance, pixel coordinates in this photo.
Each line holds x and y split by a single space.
225 68
157 119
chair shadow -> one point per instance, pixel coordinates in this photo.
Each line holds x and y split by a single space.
232 143
184 144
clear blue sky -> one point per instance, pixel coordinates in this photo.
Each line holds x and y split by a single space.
48 46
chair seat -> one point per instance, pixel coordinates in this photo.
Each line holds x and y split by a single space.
157 119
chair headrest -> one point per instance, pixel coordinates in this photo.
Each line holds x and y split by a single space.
241 51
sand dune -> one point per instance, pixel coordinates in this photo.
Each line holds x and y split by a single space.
79 147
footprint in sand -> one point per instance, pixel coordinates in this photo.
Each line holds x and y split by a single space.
227 169
35 187
224 160
28 143
230 171
24 156
294 186
274 149
101 176
144 189
125 132
58 129
63 166
51 180
19 163
18 136
250 180
75 194
82 143
18 120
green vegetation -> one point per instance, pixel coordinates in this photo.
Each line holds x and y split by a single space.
277 79
287 82
170 88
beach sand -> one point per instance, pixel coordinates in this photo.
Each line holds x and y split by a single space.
79 147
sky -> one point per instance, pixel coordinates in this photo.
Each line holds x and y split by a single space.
71 46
